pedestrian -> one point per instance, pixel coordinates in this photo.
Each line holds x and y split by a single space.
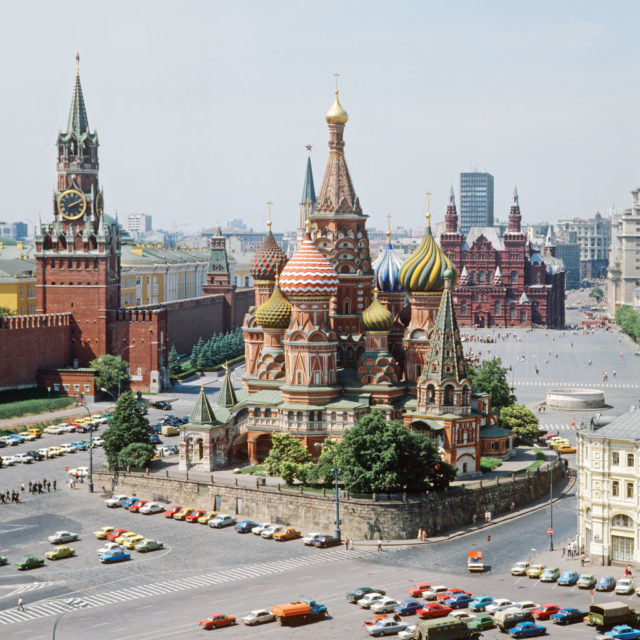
346 543
488 516
474 518
351 544
48 487
513 506
54 485
30 486
582 560
424 535
437 529
563 552
22 486
419 533
379 544
626 572
20 607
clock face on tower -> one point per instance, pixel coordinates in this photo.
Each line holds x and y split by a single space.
72 204
100 203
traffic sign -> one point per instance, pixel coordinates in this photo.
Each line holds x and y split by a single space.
550 532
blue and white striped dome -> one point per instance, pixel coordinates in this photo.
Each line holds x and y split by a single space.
387 269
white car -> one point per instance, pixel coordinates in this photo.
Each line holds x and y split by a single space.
384 605
310 537
407 634
259 616
55 429
525 605
24 458
8 461
222 520
434 592
462 615
116 501
11 442
260 528
98 442
386 627
499 604
47 452
369 599
67 447
81 471
60 537
520 568
269 531
110 546
151 507
27 436
625 587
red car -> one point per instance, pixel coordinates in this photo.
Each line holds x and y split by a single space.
194 515
447 594
419 589
135 507
217 620
169 513
116 533
433 610
544 611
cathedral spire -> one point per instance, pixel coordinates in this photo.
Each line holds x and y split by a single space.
451 216
515 218
78 122
227 396
308 190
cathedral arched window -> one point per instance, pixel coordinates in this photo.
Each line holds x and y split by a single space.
496 308
620 520
333 416
431 394
480 276
299 416
347 307
466 396
463 308
290 416
267 413
514 277
257 413
448 395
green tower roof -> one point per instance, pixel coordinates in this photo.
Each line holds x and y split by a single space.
227 396
202 412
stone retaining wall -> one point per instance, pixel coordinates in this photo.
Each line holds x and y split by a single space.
361 518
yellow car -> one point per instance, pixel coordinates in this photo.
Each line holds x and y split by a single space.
210 515
535 571
566 449
59 451
103 532
125 536
183 513
560 443
131 542
288 534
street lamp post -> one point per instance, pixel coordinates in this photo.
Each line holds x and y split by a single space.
49 398
513 374
336 474
76 603
551 503
82 403
110 393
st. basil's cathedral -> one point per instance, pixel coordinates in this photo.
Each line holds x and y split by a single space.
332 336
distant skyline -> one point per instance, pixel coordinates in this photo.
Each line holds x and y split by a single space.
203 109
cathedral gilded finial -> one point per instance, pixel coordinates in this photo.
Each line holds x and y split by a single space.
269 203
428 216
336 115
389 228
77 61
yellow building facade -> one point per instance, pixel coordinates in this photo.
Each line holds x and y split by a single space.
17 279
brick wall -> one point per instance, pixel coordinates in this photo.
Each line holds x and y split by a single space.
28 343
361 518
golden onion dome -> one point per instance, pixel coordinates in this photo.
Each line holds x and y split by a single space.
425 268
275 313
337 115
376 317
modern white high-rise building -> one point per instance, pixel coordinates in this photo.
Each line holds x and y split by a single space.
138 223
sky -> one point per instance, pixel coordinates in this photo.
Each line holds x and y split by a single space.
204 108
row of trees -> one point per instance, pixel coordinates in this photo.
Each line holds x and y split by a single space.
374 456
217 349
629 321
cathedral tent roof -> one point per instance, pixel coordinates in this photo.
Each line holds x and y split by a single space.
202 412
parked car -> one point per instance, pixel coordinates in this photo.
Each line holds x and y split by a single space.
434 592
535 571
123 537
207 517
527 630
23 458
479 603
407 607
62 536
116 501
385 627
433 610
132 541
80 445
194 515
36 455
148 545
420 588
109 546
550 574
137 505
368 599
606 583
623 632
586 581
520 568
361 592
384 605
29 562
260 528
310 537
154 438
217 621
498 604
116 533
162 404
102 532
114 556
245 526
545 611
525 605
258 616
458 601
8 461
481 623
269 531
451 592
223 520
150 508
60 552
288 533
326 541
568 615
625 586
568 578
171 511
407 633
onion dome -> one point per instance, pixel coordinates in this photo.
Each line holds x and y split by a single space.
376 317
275 313
269 259
387 268
336 115
424 270
309 273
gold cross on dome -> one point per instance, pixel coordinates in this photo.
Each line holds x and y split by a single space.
337 75
269 203
428 205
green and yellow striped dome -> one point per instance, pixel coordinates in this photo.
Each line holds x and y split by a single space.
425 268
376 317
275 313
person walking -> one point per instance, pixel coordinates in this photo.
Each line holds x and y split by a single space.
563 552
54 485
419 533
379 544
20 606
346 543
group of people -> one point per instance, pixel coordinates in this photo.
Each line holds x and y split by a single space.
44 486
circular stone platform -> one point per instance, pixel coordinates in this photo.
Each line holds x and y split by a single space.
575 399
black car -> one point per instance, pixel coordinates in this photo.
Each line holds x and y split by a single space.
35 455
326 541
162 404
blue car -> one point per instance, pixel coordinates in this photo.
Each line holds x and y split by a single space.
568 616
623 632
458 601
15 437
568 578
155 439
480 602
128 502
79 445
114 555
407 607
606 583
527 630
245 526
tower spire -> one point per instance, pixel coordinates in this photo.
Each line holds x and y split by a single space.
78 122
451 216
515 218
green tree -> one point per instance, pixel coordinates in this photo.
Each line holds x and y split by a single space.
376 455
322 471
174 361
126 426
287 458
112 372
597 293
491 377
5 311
629 321
522 421
137 455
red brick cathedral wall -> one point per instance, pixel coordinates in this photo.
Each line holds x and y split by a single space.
28 343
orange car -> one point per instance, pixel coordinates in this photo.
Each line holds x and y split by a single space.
194 515
419 589
286 534
169 513
183 513
217 620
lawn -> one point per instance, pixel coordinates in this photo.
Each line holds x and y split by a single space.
24 402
